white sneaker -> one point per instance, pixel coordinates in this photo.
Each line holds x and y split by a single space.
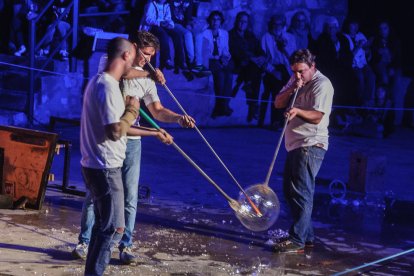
127 256
80 251
64 55
21 51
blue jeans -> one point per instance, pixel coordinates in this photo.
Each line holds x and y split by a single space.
130 178
301 167
106 189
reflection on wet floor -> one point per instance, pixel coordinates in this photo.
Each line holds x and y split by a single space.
177 239
184 227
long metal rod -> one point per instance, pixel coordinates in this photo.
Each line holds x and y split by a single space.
272 164
199 132
374 262
155 125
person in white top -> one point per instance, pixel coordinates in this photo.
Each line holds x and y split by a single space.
105 120
363 72
142 87
306 142
278 45
216 51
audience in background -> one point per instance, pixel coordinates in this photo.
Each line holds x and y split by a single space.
353 63
216 49
277 45
363 73
248 60
182 15
57 21
23 11
300 28
386 62
157 19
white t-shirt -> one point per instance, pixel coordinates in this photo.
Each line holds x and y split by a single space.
141 88
315 95
103 104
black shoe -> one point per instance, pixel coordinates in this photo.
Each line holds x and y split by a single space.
252 113
309 244
169 65
188 75
200 71
289 246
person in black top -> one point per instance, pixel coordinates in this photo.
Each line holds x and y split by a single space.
248 59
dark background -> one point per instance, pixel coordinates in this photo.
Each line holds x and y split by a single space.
398 13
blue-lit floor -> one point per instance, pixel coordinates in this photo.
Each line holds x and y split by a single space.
186 227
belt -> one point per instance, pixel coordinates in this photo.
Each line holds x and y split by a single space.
318 145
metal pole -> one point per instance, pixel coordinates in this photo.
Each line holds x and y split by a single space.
30 98
75 26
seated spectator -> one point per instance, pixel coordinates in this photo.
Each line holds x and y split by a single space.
216 50
277 45
57 21
362 71
181 14
112 23
300 29
157 19
248 59
23 10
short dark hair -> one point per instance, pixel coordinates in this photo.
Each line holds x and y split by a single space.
144 39
117 47
279 17
302 56
215 13
239 17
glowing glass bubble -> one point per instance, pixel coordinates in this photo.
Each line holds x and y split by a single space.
265 200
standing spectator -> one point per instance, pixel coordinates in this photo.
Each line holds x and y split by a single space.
248 60
306 142
157 19
386 62
105 121
386 54
277 45
216 49
300 29
335 59
363 73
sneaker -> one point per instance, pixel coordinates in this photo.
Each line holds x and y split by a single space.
309 244
64 55
21 51
200 71
80 251
289 246
127 256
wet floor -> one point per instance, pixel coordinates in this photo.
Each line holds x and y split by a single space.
185 227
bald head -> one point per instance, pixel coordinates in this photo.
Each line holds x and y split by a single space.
117 47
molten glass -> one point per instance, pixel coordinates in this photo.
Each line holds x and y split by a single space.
265 200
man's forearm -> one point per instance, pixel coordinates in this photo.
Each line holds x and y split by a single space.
310 116
167 116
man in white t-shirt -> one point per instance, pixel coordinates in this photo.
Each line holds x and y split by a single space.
142 88
105 120
306 142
